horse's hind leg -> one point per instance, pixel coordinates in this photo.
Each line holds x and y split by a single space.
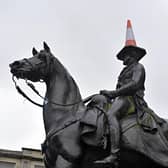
62 163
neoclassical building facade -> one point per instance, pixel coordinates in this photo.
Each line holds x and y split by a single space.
26 158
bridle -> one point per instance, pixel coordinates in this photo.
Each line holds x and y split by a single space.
20 91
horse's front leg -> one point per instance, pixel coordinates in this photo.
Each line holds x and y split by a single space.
50 153
49 157
62 163
69 147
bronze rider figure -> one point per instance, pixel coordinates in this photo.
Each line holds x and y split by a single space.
130 87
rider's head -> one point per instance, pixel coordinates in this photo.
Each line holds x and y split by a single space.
130 58
132 53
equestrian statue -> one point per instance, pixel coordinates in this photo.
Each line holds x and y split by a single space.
115 128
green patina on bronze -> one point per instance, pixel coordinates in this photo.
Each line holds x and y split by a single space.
131 109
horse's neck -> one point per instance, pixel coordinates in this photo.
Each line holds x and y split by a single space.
61 88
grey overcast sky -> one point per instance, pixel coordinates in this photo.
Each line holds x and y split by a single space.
85 35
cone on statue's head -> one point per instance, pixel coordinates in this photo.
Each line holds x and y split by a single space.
130 45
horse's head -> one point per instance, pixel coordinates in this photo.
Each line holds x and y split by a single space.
35 68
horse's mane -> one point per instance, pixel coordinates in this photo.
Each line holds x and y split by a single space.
60 68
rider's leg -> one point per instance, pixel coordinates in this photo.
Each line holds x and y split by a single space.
120 105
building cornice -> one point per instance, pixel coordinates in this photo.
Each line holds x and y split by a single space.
20 154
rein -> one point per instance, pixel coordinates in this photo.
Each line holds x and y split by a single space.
20 91
23 94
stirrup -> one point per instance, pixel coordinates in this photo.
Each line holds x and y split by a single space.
110 159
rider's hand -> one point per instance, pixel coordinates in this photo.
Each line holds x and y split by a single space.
110 94
106 93
113 94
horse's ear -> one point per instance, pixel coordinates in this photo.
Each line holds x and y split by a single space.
34 51
46 47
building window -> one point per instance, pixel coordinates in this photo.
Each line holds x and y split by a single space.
7 165
38 166
25 164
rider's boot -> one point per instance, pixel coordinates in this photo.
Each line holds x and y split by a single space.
112 159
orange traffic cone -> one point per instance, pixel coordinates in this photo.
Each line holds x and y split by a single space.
130 39
130 45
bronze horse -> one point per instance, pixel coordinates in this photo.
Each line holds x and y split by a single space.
63 109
